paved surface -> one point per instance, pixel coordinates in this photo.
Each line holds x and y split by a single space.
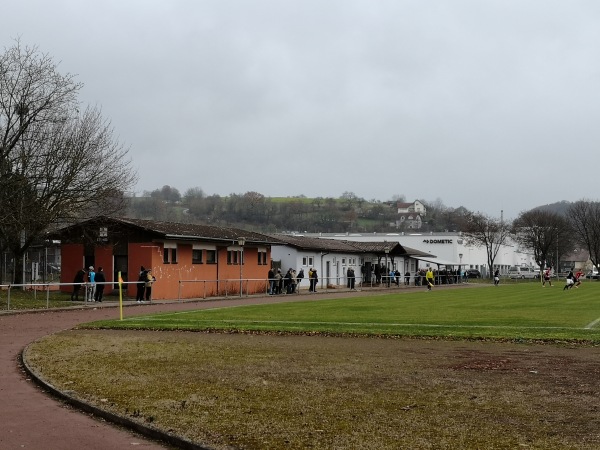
31 419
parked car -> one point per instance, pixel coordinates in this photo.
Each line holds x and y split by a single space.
473 273
522 272
592 275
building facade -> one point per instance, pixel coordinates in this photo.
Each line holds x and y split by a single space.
449 248
188 260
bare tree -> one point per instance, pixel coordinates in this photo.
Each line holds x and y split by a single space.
584 216
547 234
57 164
488 232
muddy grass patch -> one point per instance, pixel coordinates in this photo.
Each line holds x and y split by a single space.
262 391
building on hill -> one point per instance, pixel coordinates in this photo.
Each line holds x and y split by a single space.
188 260
410 215
415 207
409 221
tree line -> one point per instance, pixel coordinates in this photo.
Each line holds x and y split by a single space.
253 210
549 235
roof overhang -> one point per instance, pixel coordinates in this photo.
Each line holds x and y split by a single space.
439 262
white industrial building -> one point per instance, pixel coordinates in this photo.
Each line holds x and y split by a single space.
449 248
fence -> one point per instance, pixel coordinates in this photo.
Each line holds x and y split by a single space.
43 295
50 295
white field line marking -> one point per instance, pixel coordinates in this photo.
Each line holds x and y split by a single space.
591 325
370 324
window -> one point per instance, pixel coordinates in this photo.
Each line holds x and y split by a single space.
170 253
211 256
234 257
262 257
170 256
307 261
197 256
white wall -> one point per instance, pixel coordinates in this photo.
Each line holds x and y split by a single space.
446 246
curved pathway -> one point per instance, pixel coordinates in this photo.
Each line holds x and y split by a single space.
31 419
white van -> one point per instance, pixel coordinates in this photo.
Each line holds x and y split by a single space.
522 272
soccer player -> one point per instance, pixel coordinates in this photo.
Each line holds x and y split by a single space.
546 278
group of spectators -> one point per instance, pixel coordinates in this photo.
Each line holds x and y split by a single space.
290 282
94 285
144 285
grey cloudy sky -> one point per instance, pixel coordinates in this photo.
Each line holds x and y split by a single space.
492 105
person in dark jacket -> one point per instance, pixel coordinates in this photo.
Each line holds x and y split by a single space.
299 279
78 280
314 279
141 285
100 280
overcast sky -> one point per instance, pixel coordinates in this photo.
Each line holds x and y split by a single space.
491 105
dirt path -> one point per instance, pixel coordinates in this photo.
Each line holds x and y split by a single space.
31 419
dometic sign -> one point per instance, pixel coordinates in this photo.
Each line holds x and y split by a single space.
437 241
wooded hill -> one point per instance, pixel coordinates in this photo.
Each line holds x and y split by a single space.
254 211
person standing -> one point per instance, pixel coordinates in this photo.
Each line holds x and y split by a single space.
429 278
497 277
299 279
351 279
91 284
547 277
150 279
100 280
314 279
294 281
141 285
78 282
271 278
278 282
391 277
287 281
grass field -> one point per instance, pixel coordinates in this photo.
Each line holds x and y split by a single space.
509 367
515 312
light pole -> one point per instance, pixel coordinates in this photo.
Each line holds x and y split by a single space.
460 269
387 272
241 243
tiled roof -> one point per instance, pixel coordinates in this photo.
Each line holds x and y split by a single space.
171 230
175 230
341 246
317 244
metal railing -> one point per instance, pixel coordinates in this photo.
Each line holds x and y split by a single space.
30 294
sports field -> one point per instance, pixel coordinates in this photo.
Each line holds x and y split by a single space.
514 312
514 366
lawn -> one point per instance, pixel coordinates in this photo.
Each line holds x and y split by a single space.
517 366
524 311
